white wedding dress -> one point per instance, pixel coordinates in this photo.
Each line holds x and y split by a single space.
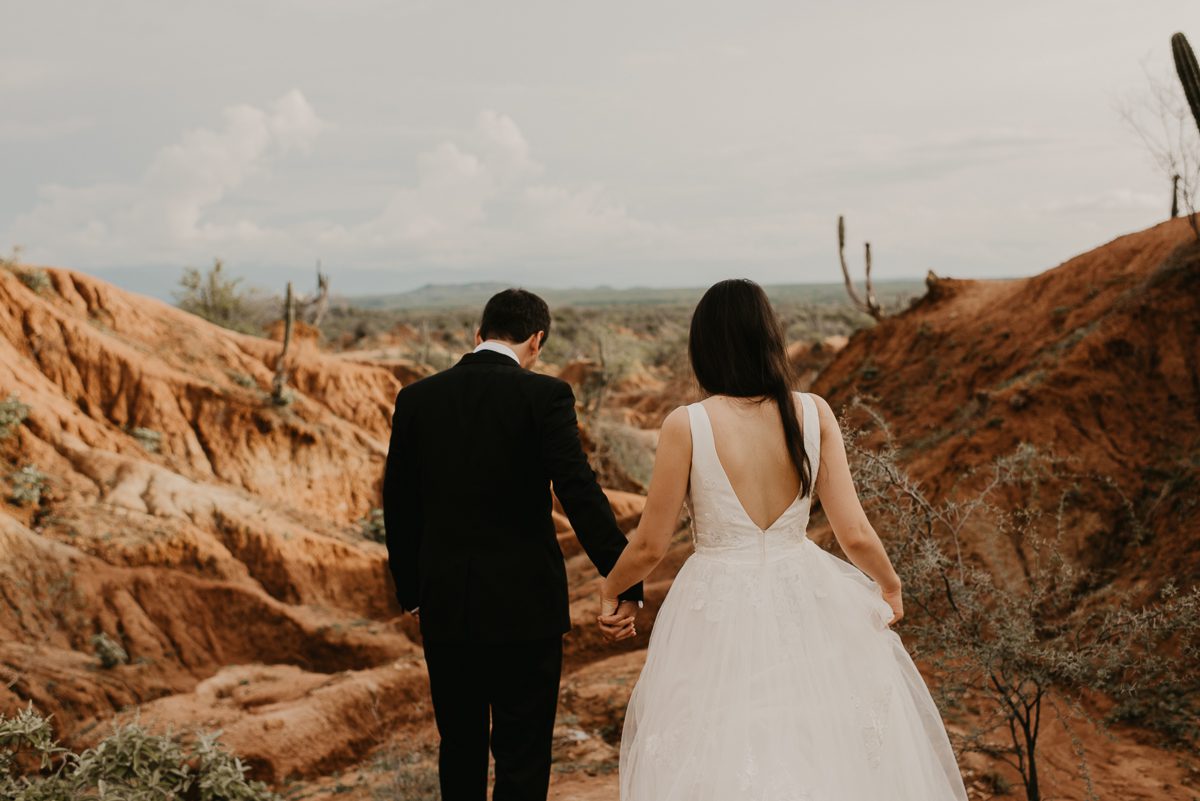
771 674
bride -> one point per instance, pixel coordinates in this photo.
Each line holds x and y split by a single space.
772 672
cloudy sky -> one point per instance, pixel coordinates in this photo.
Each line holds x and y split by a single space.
574 144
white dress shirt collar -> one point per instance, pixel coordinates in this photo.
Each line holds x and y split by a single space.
498 347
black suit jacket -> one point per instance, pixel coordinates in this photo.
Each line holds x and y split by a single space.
466 501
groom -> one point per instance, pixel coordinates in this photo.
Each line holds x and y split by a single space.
473 551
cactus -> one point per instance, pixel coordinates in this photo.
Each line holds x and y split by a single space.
1189 76
1189 73
279 391
870 305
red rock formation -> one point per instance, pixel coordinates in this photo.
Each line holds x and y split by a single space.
213 535
1097 359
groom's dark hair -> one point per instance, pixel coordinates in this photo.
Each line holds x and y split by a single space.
515 315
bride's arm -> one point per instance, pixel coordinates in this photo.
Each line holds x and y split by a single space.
664 499
835 486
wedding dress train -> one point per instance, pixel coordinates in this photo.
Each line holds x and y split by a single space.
771 674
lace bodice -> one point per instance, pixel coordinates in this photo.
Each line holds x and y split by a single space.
720 525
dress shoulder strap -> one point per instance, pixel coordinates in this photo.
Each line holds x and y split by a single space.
812 431
703 439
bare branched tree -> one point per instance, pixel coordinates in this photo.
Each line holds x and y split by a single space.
311 308
1163 121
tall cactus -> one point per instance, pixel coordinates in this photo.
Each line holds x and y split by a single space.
1189 76
1189 73
279 392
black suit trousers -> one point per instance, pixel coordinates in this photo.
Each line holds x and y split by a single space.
505 692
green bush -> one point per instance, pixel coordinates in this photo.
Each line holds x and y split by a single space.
32 277
621 450
131 764
218 299
28 484
241 379
35 279
109 651
371 526
148 437
412 777
12 414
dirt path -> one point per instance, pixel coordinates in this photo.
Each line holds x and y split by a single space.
574 787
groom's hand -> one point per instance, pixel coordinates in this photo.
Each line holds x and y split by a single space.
619 623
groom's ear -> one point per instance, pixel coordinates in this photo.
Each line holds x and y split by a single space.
478 339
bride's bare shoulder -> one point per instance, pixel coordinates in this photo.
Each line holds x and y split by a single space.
825 412
677 421
676 430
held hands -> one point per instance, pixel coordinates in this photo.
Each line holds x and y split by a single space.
617 619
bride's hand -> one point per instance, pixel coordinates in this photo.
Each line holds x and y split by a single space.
616 619
893 599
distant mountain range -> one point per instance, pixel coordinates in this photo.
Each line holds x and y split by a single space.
476 294
375 289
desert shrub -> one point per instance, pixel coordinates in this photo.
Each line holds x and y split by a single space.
12 414
621 450
411 776
35 279
28 484
131 764
150 439
210 295
218 299
614 355
1027 643
109 651
371 526
285 397
242 379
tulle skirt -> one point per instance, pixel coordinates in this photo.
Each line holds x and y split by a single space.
778 679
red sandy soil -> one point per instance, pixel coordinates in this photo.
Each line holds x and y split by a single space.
228 560
1096 360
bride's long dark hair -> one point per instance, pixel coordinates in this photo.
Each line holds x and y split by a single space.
736 346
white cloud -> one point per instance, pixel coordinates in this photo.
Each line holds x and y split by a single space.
484 199
476 197
164 211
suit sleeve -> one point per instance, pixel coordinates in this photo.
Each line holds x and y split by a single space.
402 517
575 484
